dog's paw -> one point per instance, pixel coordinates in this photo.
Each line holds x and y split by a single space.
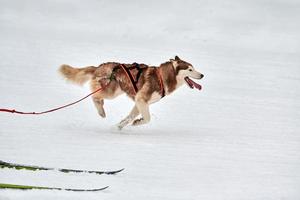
102 113
120 126
124 123
138 122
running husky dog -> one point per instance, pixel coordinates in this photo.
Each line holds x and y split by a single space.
142 83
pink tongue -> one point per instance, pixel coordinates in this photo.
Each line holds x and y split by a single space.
192 84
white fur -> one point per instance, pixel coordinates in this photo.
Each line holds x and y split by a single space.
154 97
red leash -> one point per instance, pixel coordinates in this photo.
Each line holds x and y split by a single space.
52 110
99 89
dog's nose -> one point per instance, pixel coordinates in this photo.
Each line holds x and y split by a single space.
201 76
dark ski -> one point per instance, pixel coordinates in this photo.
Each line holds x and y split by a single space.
29 187
36 168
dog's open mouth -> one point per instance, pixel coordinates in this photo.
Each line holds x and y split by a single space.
192 84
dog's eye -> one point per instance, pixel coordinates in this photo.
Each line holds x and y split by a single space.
190 70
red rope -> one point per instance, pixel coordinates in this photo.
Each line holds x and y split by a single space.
51 110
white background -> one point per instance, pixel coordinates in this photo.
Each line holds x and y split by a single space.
237 139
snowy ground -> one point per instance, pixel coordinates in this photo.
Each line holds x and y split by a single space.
239 138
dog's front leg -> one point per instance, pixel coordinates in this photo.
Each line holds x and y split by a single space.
143 108
133 114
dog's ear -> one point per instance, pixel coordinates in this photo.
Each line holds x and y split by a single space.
174 62
177 58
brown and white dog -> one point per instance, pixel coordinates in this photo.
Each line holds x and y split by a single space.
152 84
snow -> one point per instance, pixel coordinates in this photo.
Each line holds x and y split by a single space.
236 139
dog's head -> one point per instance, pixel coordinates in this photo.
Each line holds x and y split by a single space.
184 71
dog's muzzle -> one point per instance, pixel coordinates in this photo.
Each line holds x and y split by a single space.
193 84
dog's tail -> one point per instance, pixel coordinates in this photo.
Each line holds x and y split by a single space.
77 75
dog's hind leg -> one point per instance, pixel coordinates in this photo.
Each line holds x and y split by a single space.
133 114
99 102
143 108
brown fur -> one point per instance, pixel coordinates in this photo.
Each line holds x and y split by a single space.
114 80
77 75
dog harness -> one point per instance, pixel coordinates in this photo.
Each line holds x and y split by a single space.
134 80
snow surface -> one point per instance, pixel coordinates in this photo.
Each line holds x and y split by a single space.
237 139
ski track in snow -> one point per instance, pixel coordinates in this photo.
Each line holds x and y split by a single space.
236 139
